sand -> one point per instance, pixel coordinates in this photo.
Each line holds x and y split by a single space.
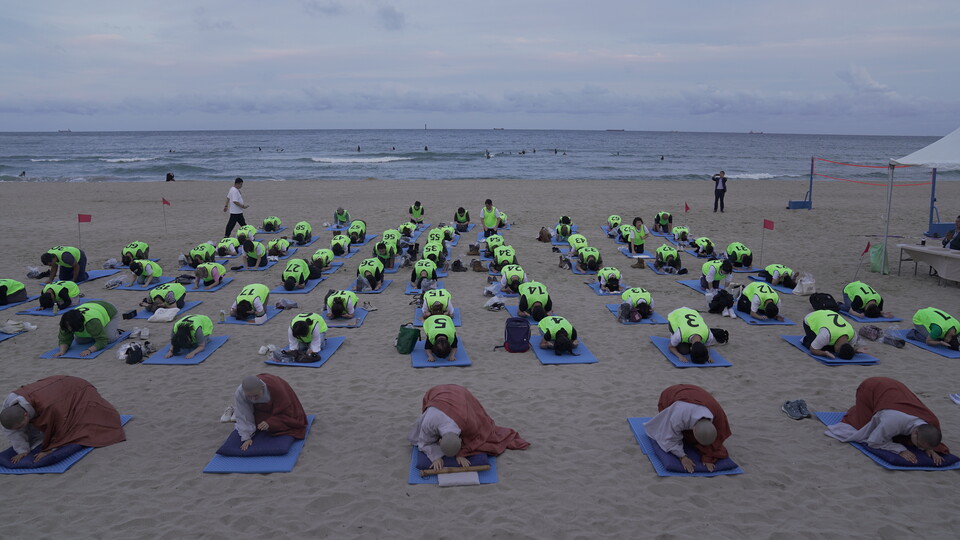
584 475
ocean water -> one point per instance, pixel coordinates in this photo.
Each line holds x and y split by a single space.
447 154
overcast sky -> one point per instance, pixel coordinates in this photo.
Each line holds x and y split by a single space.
862 67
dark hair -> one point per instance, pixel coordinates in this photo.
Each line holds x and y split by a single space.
638 218
872 311
954 343
488 201
238 180
644 309
371 279
746 259
136 267
46 300
683 236
514 284
930 435
244 308
721 335
380 245
248 245
726 266
613 284
337 307
592 264
126 259
441 347
538 312
47 258
290 283
562 343
182 338
565 220
337 249
222 251
416 203
461 210
846 351
71 321
788 281
709 250
771 309
563 229
299 329
699 353
438 306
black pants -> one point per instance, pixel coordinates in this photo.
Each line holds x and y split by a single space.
235 219
717 198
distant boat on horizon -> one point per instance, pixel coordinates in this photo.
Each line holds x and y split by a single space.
64 131
756 132
616 130
498 129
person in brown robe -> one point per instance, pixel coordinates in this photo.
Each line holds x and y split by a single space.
57 411
875 397
691 394
474 431
267 403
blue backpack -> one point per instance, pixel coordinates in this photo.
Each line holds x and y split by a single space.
516 335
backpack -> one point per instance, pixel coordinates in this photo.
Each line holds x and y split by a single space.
516 335
722 300
824 301
406 338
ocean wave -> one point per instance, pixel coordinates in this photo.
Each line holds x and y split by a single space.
754 176
127 160
36 160
340 161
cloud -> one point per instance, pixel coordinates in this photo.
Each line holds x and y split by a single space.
390 18
322 9
860 80
95 39
205 23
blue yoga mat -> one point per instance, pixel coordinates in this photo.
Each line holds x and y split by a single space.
830 418
337 227
334 266
269 265
348 254
942 351
751 320
66 463
576 270
596 288
411 290
859 359
213 343
413 475
655 318
15 304
383 286
279 230
418 318
858 318
514 310
188 268
366 239
291 251
143 314
778 288
139 287
5 336
547 356
454 242
76 348
745 269
491 271
694 284
223 283
657 271
393 269
661 234
328 350
663 345
418 357
695 254
260 464
308 287
644 255
308 243
271 312
647 445
359 314
97 274
49 311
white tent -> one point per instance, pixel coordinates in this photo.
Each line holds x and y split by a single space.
943 154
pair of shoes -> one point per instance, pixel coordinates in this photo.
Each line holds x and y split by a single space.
795 409
135 334
228 415
263 350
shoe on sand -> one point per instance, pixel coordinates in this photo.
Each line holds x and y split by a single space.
135 334
802 405
792 408
228 415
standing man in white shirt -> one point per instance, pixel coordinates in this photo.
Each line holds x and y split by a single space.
235 206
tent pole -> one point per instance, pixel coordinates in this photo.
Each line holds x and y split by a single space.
933 198
886 231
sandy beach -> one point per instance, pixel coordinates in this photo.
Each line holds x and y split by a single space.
584 475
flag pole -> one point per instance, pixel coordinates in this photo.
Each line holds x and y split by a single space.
79 242
859 264
164 210
763 233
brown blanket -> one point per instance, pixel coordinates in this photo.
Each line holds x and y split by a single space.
70 410
478 432
879 393
689 393
283 413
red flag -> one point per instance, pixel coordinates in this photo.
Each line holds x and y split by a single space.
767 224
84 218
865 250
686 207
166 202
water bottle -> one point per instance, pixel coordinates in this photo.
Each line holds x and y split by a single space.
223 315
